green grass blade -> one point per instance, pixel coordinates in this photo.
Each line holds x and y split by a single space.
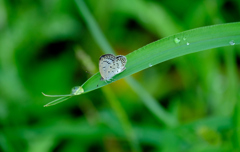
54 102
180 44
94 28
123 118
150 102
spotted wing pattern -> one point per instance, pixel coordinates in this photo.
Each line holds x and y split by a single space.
109 65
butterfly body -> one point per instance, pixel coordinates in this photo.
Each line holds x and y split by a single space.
110 65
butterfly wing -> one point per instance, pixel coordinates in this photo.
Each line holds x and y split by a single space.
109 65
105 66
119 64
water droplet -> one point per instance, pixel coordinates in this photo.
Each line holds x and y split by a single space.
232 42
77 90
150 65
188 43
177 40
184 39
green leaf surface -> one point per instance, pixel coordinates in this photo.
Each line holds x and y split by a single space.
187 42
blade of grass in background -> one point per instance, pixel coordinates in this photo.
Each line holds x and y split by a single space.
120 112
151 16
93 27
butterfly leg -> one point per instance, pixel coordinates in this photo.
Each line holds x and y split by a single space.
106 81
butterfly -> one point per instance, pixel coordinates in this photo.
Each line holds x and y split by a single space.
110 65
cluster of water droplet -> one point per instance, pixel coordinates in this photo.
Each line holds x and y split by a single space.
177 40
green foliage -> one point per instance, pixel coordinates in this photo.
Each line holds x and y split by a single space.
187 103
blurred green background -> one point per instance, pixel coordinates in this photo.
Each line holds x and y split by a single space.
45 46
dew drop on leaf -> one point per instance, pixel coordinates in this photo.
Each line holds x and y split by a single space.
77 90
232 42
177 40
